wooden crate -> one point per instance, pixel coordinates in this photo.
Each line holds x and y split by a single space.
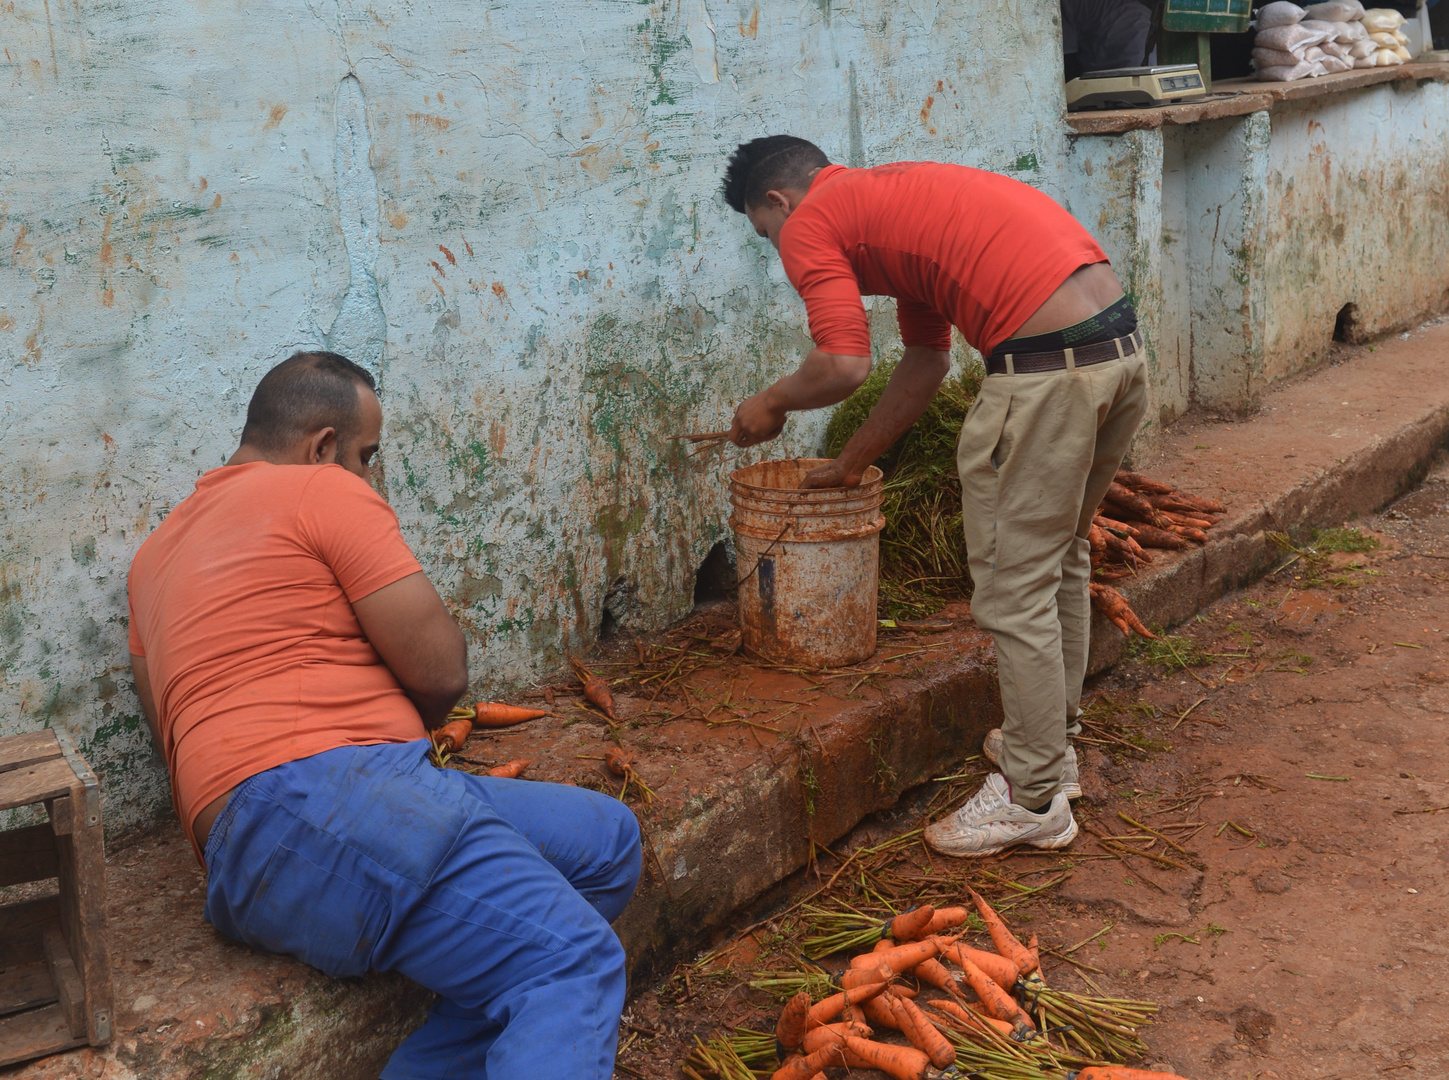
55 970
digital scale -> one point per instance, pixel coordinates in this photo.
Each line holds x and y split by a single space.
1135 87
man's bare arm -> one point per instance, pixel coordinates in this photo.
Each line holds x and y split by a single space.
912 385
823 379
142 676
420 642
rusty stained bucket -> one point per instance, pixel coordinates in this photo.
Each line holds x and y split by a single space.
808 563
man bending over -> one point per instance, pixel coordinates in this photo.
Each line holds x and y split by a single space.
290 655
1065 390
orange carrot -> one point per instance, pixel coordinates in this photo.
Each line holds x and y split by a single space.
1114 605
946 918
1153 537
510 771
880 1011
1001 970
1117 1072
900 1062
902 957
496 714
902 990
884 945
967 1016
1105 523
922 1034
1034 947
862 976
909 925
997 1001
1137 482
1097 541
807 1065
452 735
1123 500
790 1028
596 690
1002 937
833 1034
619 762
826 1010
934 973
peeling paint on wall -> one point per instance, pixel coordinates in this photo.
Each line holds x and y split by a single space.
511 211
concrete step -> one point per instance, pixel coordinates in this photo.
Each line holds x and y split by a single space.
738 806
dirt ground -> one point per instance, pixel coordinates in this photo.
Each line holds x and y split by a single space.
1297 763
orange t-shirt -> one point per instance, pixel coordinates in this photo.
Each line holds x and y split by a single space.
953 245
241 603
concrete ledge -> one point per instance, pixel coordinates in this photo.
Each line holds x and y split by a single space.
1238 97
737 809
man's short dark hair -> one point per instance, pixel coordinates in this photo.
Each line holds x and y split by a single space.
771 163
306 392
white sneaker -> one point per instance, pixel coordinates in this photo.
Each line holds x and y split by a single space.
991 822
1071 780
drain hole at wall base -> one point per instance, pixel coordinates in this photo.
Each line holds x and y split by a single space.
714 581
1346 327
619 603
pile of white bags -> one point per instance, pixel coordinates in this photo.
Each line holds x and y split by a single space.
1297 43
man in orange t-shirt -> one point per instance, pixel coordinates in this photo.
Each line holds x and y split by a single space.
290 655
1065 390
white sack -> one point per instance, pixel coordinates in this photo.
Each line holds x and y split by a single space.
1336 11
1291 38
1289 74
1380 19
1280 13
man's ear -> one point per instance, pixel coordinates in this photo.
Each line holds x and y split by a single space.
321 447
778 200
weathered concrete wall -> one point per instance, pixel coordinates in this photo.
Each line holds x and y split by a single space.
1356 211
509 210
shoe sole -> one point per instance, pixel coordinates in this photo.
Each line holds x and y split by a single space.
1050 843
1073 792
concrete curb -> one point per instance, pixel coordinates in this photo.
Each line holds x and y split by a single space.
1239 550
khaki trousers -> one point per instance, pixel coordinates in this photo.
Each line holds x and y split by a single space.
1036 455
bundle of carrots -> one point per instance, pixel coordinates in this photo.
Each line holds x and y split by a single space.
1139 514
985 1014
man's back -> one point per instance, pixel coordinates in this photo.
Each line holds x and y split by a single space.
955 245
241 603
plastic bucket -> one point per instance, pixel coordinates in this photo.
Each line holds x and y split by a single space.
808 562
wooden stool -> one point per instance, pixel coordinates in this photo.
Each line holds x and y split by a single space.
55 970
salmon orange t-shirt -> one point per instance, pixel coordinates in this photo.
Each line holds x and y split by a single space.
241 603
953 245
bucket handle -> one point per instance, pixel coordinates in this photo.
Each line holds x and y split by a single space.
768 549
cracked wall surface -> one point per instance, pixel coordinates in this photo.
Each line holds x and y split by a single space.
509 211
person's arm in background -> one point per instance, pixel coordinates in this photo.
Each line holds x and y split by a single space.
420 642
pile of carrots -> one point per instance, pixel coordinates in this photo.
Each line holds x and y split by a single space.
1139 514
453 733
838 1029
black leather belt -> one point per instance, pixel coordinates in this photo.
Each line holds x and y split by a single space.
1061 359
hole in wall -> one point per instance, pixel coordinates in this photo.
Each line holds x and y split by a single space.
714 581
619 602
1346 326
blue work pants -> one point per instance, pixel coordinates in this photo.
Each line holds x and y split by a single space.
495 894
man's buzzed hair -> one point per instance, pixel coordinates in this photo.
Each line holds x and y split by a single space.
306 392
771 163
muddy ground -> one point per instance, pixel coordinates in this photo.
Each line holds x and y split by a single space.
1302 932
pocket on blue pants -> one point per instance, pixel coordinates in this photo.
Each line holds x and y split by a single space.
314 914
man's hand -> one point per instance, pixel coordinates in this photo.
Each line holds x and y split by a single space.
833 475
823 379
417 638
757 420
